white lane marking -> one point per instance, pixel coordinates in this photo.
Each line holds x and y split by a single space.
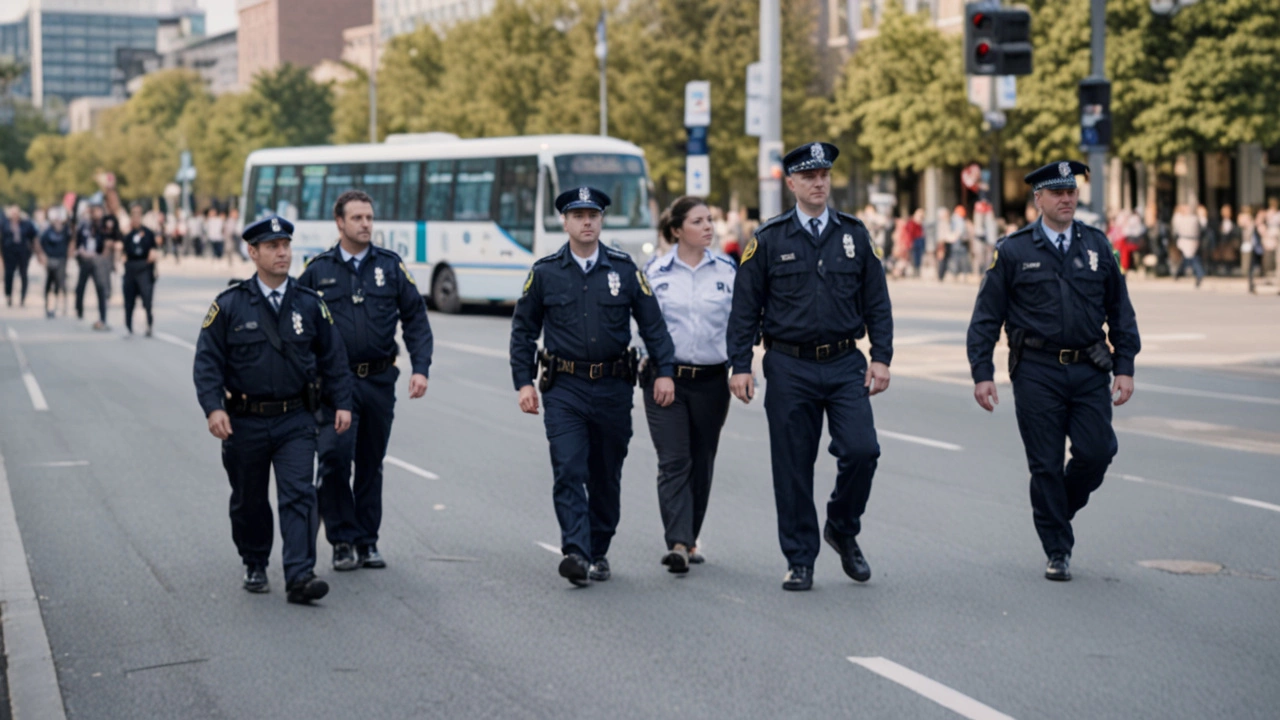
548 547
410 467
952 700
1164 337
173 340
1254 503
929 338
28 378
62 463
474 349
1202 493
33 682
1168 390
920 440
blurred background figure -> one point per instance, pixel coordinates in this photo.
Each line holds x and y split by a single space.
1186 231
17 240
52 250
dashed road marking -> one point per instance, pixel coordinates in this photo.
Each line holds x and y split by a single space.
948 698
28 378
920 440
1189 392
173 340
1202 493
410 467
548 547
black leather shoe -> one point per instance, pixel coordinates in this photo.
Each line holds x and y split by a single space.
307 588
370 557
574 569
1059 568
600 570
799 577
344 557
851 557
255 579
695 557
677 560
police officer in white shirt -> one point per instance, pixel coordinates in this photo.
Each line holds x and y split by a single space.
695 290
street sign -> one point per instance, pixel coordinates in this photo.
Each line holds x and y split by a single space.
697 144
755 80
697 175
980 91
1006 92
755 116
697 103
996 119
769 164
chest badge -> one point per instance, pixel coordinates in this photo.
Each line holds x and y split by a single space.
379 278
297 322
1093 260
615 284
849 250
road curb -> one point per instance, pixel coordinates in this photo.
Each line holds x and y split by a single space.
33 681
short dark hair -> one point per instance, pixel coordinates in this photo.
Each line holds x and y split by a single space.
673 217
350 196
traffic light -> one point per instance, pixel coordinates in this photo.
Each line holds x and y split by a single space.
997 40
1095 113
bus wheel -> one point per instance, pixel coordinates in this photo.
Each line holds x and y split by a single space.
444 291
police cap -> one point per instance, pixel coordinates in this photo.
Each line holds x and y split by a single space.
582 198
268 229
1056 176
810 156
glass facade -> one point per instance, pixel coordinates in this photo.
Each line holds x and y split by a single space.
14 43
80 50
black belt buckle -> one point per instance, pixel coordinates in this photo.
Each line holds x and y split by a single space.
595 371
1067 357
564 366
822 352
362 370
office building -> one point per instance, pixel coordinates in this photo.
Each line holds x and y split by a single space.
300 32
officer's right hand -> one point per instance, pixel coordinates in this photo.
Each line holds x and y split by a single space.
529 400
743 386
220 424
985 394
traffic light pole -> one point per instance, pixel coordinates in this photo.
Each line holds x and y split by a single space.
771 132
1098 155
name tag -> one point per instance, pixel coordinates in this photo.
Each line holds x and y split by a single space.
1030 266
328 281
788 257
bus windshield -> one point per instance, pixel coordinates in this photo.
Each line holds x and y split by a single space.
621 177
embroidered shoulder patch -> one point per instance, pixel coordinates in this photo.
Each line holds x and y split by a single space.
750 252
994 259
528 283
208 318
408 275
324 311
644 283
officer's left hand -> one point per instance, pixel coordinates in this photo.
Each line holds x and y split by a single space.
417 386
341 421
664 391
1122 390
877 378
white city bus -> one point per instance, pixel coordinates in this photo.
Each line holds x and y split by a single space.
469 217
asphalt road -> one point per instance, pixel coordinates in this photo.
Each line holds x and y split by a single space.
121 500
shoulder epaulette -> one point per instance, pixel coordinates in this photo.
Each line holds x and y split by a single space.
776 220
306 290
617 254
546 259
847 216
234 284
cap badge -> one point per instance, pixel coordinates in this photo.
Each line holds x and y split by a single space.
297 322
849 250
584 194
379 278
275 225
1064 169
615 284
817 152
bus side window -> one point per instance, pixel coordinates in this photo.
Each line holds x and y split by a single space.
264 186
379 180
518 198
473 191
408 206
288 186
437 191
313 193
339 179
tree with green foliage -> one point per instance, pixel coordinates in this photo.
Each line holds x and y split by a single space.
287 108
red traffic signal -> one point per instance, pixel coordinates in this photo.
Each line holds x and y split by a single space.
997 40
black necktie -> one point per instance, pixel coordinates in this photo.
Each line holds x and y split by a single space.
587 268
353 264
813 226
274 297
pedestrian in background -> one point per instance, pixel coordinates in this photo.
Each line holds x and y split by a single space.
266 347
1186 231
369 293
695 291
140 254
215 228
52 250
914 232
94 248
1208 240
588 380
944 238
1269 230
17 239
231 230
810 282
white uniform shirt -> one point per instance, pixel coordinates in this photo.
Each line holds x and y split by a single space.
695 302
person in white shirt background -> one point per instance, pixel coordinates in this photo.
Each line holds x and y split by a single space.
694 288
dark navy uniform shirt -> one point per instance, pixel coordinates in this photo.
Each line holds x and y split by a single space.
586 317
139 243
800 289
26 234
1062 299
366 305
233 352
55 242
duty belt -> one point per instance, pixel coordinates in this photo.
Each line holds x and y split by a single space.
693 372
366 369
263 408
820 352
1065 356
592 371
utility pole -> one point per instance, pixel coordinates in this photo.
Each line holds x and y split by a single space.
771 133
602 54
373 81
1098 154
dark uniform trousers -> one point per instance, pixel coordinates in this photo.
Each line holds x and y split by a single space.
257 445
588 425
1054 402
796 395
139 282
352 512
686 435
17 257
92 270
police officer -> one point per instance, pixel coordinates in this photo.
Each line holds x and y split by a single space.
17 239
368 291
140 254
810 280
260 349
1052 285
584 296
